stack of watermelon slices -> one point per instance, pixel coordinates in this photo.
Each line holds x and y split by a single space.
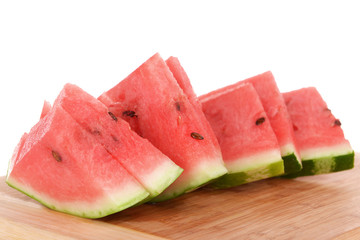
238 126
150 138
79 158
319 137
162 113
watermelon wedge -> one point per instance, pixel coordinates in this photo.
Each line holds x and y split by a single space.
157 109
279 118
62 166
184 82
276 111
46 108
320 139
248 144
150 167
182 79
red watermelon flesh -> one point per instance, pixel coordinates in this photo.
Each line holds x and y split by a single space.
46 108
320 139
147 164
184 82
62 166
182 79
17 151
248 144
276 111
160 111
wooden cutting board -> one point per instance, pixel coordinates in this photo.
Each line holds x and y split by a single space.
316 207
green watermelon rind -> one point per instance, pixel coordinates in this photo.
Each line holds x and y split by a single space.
250 175
325 165
291 164
209 174
93 214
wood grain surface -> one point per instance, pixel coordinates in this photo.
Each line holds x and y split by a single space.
316 207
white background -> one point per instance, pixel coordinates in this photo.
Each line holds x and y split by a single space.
95 44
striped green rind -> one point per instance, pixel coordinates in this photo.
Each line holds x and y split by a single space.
254 174
325 165
291 164
90 213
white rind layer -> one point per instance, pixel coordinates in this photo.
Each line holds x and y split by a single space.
250 162
161 177
111 201
203 173
328 151
288 149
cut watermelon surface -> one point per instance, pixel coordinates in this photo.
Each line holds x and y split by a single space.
249 146
150 138
280 121
149 166
46 108
182 79
279 118
62 166
320 139
184 82
157 109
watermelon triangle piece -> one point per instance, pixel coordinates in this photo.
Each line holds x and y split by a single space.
279 118
147 164
182 79
46 108
157 109
249 146
318 134
245 161
62 166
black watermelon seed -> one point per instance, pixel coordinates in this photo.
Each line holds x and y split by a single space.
96 132
196 136
177 105
260 121
56 156
113 116
129 113
114 138
337 122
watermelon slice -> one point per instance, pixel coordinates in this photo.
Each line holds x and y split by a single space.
62 166
184 82
248 144
320 139
157 109
182 79
276 111
150 167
